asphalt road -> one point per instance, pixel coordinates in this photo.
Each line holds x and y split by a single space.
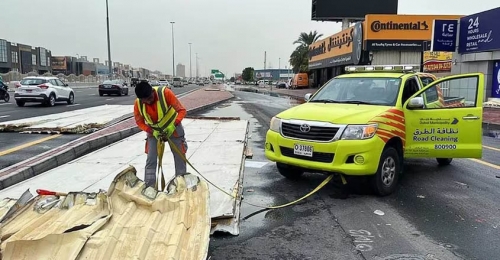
443 213
15 147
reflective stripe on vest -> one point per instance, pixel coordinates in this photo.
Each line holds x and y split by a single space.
165 119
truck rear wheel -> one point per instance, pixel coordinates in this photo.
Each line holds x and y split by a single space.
289 172
444 161
385 181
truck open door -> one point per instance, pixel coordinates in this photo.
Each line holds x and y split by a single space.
437 130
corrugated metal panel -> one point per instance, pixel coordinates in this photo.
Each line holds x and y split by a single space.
411 57
395 57
78 121
132 222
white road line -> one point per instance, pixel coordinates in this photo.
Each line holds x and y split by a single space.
110 99
74 105
92 94
4 116
255 164
6 104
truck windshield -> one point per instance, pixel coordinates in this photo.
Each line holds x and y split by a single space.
370 91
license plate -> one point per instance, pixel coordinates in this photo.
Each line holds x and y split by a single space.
29 90
107 86
303 150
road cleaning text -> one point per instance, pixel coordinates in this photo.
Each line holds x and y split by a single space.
433 135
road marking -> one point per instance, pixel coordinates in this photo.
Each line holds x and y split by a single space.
17 148
491 148
255 164
485 163
110 99
92 94
6 104
74 105
4 116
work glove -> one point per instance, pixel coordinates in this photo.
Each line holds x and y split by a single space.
170 130
157 134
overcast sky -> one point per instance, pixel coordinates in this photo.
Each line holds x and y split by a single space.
227 34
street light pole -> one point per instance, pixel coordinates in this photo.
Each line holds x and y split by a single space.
173 51
197 75
190 70
109 43
279 69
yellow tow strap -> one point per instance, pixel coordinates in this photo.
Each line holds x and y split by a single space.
161 149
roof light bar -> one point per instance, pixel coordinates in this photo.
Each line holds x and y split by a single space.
383 68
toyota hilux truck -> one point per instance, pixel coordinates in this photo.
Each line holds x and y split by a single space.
366 122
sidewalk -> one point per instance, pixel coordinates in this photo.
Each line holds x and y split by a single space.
193 102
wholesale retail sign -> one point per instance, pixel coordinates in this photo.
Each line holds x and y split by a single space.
495 89
437 61
400 32
444 35
480 32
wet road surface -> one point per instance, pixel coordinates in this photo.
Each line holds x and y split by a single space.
16 147
444 213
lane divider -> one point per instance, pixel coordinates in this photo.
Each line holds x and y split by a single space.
494 166
491 148
26 145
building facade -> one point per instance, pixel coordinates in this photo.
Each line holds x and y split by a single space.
23 58
273 74
180 70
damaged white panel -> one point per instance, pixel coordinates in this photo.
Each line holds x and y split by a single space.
215 147
77 121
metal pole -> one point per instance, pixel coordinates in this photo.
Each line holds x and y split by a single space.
279 69
196 66
173 51
109 43
190 70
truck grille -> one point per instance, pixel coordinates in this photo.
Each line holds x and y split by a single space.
316 133
317 156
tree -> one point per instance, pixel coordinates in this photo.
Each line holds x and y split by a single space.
232 79
247 74
299 59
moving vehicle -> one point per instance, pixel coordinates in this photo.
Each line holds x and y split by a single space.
185 82
281 84
164 83
365 123
45 90
300 80
117 87
177 82
134 82
4 92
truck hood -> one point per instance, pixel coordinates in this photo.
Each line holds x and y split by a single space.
334 113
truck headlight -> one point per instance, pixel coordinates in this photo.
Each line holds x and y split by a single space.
275 124
359 132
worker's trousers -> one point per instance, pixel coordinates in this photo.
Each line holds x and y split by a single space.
178 139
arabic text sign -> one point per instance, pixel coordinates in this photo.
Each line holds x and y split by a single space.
479 32
495 89
444 35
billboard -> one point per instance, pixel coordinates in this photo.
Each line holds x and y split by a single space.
437 61
495 89
480 32
263 74
328 10
444 35
58 63
400 32
341 48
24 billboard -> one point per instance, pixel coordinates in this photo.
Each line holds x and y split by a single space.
479 32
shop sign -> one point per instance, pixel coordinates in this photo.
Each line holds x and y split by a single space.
437 61
495 89
444 35
480 32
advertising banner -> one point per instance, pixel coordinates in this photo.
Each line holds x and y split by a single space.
444 35
437 61
480 32
342 48
58 63
495 89
400 32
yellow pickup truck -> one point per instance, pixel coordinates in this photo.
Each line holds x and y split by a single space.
367 121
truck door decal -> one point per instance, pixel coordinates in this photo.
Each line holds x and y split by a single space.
391 123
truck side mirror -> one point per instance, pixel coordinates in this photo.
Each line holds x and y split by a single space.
307 96
416 102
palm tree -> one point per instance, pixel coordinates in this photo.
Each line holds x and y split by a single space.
299 57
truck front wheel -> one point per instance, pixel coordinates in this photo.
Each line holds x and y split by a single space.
385 181
289 172
444 161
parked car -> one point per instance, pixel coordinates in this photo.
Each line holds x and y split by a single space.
118 87
281 84
45 90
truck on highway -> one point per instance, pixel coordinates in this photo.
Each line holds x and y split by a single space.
365 123
177 82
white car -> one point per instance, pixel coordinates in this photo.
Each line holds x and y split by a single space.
163 83
45 90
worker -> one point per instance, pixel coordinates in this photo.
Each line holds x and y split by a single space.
159 113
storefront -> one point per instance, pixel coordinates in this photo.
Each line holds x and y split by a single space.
479 50
399 39
328 57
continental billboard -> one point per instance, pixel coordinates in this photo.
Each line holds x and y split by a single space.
437 61
58 63
399 32
343 48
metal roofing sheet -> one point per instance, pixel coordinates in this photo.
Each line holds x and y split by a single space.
132 222
77 121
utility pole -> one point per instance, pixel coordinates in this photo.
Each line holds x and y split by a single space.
265 54
197 66
279 69
109 43
190 70
173 51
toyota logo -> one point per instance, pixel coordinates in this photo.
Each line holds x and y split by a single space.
305 128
